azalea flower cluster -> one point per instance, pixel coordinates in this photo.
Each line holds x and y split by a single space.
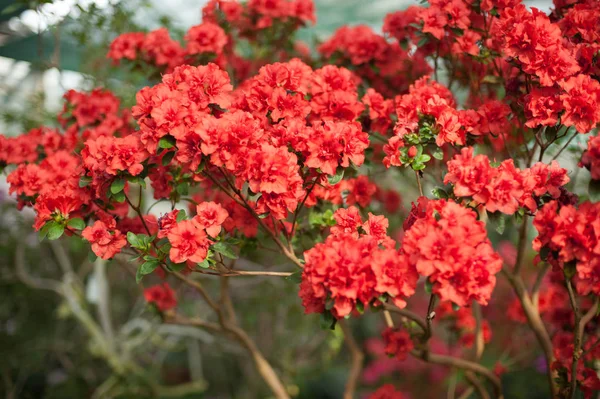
224 23
506 188
387 66
446 243
591 157
569 238
427 114
354 267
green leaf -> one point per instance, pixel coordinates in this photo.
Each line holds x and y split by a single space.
76 223
44 230
594 190
117 186
295 278
428 287
544 252
166 142
205 264
148 267
224 250
500 222
327 321
423 41
439 193
84 181
182 188
424 158
360 307
167 158
137 180
455 307
134 240
335 179
181 215
92 256
570 269
119 197
176 267
55 231
438 154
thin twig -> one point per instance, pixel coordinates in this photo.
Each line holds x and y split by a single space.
357 358
408 314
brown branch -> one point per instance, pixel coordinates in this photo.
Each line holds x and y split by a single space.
535 290
262 365
521 246
240 200
357 358
479 340
459 363
535 323
238 273
408 314
198 287
429 318
578 333
479 387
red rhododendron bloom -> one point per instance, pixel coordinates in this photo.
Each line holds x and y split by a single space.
397 343
162 296
386 392
591 157
188 242
210 216
205 38
105 239
450 246
351 270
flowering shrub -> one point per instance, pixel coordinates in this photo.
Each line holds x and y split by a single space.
280 147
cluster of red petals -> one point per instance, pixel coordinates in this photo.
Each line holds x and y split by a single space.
571 235
255 15
384 64
463 323
591 157
587 376
190 238
398 343
156 48
162 296
430 104
505 188
356 264
112 155
449 245
530 38
106 240
387 391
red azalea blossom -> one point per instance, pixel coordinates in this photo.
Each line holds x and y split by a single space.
105 239
162 296
188 242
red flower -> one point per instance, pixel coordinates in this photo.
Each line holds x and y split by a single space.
397 343
350 269
450 246
581 102
105 239
205 38
162 296
386 392
337 144
188 242
210 216
591 157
